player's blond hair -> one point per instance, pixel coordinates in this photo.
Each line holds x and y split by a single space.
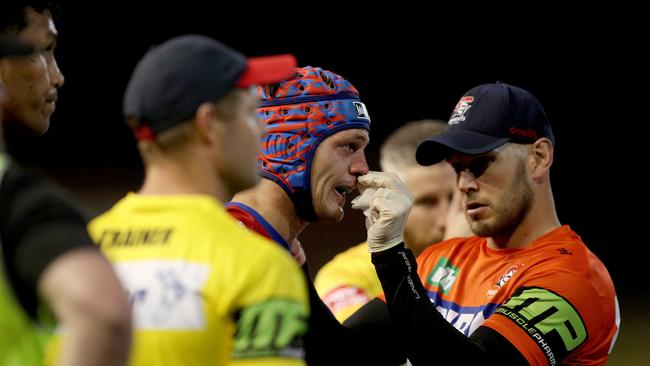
397 153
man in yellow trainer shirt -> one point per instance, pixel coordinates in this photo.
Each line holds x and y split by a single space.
205 291
349 280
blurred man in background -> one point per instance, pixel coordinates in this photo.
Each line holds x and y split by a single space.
46 253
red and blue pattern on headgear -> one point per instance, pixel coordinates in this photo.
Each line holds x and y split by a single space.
298 114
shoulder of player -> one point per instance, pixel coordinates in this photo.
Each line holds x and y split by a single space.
352 266
357 254
31 193
568 253
570 268
258 247
268 265
353 261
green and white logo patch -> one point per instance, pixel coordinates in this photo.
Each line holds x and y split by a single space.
270 329
443 275
548 318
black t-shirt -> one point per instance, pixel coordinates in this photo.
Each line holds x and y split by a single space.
37 224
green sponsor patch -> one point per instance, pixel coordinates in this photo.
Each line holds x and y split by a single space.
443 275
271 328
550 320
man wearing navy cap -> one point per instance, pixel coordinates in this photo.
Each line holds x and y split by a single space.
205 291
525 289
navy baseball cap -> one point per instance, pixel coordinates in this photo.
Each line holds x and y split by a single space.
13 47
486 117
173 79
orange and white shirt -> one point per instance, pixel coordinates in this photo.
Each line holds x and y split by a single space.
553 300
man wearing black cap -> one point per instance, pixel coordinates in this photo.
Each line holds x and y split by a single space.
47 261
525 289
204 289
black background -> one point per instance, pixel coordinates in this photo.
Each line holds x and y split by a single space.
409 62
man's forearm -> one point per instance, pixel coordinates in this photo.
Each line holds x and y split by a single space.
428 337
91 308
92 341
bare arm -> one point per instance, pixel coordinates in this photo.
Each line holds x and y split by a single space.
89 302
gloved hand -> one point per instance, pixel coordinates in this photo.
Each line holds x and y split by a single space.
386 204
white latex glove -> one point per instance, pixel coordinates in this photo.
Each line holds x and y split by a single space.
386 203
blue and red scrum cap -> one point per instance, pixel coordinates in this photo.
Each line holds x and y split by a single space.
298 114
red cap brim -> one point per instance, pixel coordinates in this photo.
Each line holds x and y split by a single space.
268 70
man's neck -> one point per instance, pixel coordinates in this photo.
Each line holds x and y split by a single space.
183 175
273 203
541 220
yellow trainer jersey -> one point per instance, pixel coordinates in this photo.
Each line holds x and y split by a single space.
348 281
205 291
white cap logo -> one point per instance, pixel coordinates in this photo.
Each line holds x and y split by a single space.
463 105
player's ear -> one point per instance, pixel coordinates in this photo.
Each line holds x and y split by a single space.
542 154
204 121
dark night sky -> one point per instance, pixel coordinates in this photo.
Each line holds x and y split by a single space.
410 65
